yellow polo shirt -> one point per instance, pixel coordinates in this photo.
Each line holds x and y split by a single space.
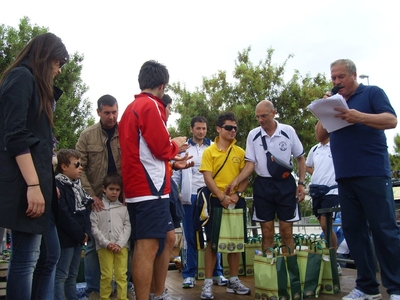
213 158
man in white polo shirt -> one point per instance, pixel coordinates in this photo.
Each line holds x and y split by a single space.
323 187
274 195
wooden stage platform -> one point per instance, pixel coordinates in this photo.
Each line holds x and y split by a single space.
174 285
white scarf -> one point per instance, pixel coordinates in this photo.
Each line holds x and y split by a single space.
82 198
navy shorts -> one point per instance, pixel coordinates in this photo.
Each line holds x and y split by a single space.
326 201
150 219
215 203
275 198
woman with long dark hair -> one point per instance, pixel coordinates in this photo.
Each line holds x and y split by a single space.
27 188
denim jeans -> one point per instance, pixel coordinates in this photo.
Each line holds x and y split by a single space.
66 273
189 251
45 271
92 267
32 264
24 256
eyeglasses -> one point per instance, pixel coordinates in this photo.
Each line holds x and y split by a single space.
62 63
77 164
229 127
264 116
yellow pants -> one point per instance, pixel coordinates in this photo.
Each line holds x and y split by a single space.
116 263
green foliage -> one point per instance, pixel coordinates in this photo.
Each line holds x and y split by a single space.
73 113
306 208
13 40
395 158
252 83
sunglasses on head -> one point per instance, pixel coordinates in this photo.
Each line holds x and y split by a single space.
229 127
77 164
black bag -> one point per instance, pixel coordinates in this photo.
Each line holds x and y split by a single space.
201 214
277 168
319 190
202 206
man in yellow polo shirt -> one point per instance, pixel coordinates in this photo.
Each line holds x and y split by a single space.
223 153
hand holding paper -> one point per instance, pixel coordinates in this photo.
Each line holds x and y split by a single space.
324 110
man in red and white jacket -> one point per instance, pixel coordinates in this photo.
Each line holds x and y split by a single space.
146 149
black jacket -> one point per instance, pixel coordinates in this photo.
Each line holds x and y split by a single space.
72 224
23 127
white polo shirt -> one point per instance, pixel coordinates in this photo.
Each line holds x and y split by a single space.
197 177
189 180
282 144
320 158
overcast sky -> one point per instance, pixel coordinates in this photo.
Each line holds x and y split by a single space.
195 39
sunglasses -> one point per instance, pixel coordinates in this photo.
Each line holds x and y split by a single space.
77 164
62 62
229 127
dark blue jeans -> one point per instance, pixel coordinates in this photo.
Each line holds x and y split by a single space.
367 207
92 267
66 273
45 271
24 256
32 264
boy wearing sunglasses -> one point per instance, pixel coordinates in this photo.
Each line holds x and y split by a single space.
74 222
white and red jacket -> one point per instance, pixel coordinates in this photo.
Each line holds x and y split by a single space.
146 149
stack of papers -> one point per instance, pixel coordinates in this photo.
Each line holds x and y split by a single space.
323 109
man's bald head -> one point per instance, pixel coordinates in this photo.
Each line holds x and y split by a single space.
265 104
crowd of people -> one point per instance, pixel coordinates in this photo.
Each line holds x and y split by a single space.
117 192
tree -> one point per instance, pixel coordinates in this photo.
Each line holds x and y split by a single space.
72 113
252 83
395 158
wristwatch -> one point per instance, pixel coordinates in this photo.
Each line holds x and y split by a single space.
239 194
302 183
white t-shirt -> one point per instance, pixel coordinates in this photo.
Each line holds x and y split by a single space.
282 144
320 158
190 180
197 177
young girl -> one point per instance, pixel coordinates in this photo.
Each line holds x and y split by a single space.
111 229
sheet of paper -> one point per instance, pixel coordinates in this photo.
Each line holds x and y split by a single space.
323 109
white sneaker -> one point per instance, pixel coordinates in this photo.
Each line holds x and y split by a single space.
394 297
166 296
237 287
339 270
131 293
220 280
206 291
358 295
188 282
